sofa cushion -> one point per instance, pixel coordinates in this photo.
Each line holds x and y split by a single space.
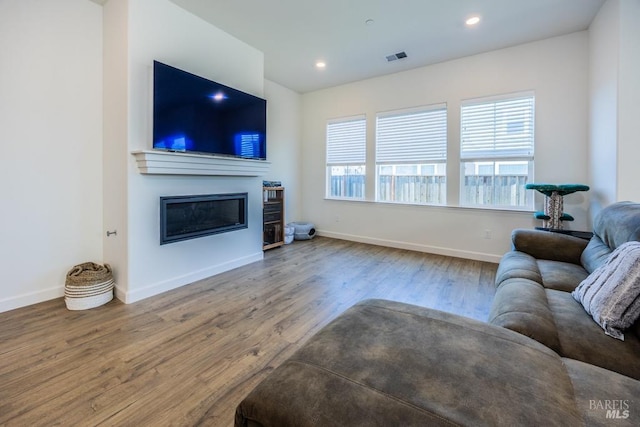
521 305
604 397
550 274
582 339
611 294
562 276
516 264
595 254
382 363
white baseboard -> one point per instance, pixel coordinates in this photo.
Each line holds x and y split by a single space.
437 250
31 298
179 281
176 282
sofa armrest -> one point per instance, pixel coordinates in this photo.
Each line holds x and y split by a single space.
548 245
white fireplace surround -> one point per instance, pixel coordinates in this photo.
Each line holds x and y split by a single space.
156 162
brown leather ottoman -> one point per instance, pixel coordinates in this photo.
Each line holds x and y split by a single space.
383 363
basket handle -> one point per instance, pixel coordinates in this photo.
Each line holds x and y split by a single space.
87 266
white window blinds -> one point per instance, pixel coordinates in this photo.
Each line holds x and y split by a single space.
347 141
418 136
498 128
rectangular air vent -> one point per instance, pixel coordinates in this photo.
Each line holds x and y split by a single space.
395 56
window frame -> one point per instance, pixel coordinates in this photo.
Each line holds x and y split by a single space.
352 157
513 152
432 126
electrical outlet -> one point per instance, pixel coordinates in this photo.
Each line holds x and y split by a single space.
337 218
487 234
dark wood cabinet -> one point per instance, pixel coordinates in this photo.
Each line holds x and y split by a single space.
273 217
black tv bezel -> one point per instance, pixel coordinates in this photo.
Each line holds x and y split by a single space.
216 84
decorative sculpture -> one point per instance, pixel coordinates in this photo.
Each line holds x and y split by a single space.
553 215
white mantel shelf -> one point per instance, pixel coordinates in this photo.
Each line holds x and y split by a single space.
152 162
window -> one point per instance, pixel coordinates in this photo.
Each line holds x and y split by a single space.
496 152
411 155
346 157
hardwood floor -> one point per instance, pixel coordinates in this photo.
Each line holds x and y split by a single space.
187 357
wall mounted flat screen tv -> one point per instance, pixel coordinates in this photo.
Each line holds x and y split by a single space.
194 114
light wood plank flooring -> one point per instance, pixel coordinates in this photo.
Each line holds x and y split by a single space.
187 357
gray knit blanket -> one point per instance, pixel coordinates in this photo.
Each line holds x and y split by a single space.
611 294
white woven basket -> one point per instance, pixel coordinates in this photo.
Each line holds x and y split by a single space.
88 291
88 302
88 285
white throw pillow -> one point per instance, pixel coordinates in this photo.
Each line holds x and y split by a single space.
611 294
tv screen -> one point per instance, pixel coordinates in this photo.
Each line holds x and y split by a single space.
194 114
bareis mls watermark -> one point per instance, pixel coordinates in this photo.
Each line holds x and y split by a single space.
613 409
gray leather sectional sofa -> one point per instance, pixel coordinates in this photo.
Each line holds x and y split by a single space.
541 359
535 281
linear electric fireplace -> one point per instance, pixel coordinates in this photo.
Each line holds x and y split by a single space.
190 217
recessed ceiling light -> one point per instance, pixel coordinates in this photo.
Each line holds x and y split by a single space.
472 21
321 65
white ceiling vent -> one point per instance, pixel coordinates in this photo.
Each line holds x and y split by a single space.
395 56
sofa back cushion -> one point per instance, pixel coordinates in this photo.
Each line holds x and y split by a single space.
614 225
618 223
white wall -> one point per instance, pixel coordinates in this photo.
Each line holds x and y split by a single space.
628 102
614 87
51 124
556 69
284 123
603 108
160 30
115 153
55 146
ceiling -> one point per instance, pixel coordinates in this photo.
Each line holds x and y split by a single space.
295 34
